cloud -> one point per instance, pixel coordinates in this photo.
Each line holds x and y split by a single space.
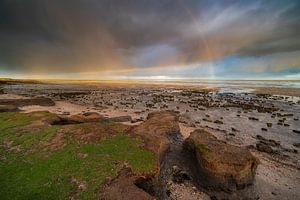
86 36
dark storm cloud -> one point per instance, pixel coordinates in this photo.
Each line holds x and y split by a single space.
99 35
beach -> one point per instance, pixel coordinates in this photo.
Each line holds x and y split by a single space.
263 119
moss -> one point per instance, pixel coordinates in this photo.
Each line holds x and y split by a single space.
204 149
42 174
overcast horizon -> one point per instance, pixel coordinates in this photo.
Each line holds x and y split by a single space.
151 40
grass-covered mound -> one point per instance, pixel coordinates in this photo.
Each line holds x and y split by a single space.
31 170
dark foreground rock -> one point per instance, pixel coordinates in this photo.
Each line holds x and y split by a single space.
221 166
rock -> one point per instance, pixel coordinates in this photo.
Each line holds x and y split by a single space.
297 144
264 129
233 129
268 142
269 125
220 165
264 147
218 122
125 118
8 108
296 131
180 176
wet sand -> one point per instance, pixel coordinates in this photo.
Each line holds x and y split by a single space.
279 91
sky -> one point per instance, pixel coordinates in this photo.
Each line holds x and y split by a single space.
150 39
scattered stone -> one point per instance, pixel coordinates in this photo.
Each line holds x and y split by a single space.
180 176
253 118
296 131
233 129
264 147
268 142
269 125
218 122
297 145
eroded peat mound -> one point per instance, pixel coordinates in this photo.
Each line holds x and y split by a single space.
88 156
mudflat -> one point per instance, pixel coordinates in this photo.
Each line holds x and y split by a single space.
97 140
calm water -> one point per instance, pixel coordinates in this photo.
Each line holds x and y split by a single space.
233 83
233 86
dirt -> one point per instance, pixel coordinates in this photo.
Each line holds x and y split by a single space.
124 187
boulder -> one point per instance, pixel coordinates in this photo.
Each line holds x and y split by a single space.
221 166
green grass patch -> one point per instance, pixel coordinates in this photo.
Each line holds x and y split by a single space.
47 175
11 129
9 120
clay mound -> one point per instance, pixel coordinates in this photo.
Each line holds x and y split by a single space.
77 119
221 166
156 130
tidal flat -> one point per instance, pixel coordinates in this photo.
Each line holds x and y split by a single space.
97 140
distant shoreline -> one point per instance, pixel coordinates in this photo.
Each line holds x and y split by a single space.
278 87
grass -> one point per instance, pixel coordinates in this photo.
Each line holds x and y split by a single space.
11 125
47 175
